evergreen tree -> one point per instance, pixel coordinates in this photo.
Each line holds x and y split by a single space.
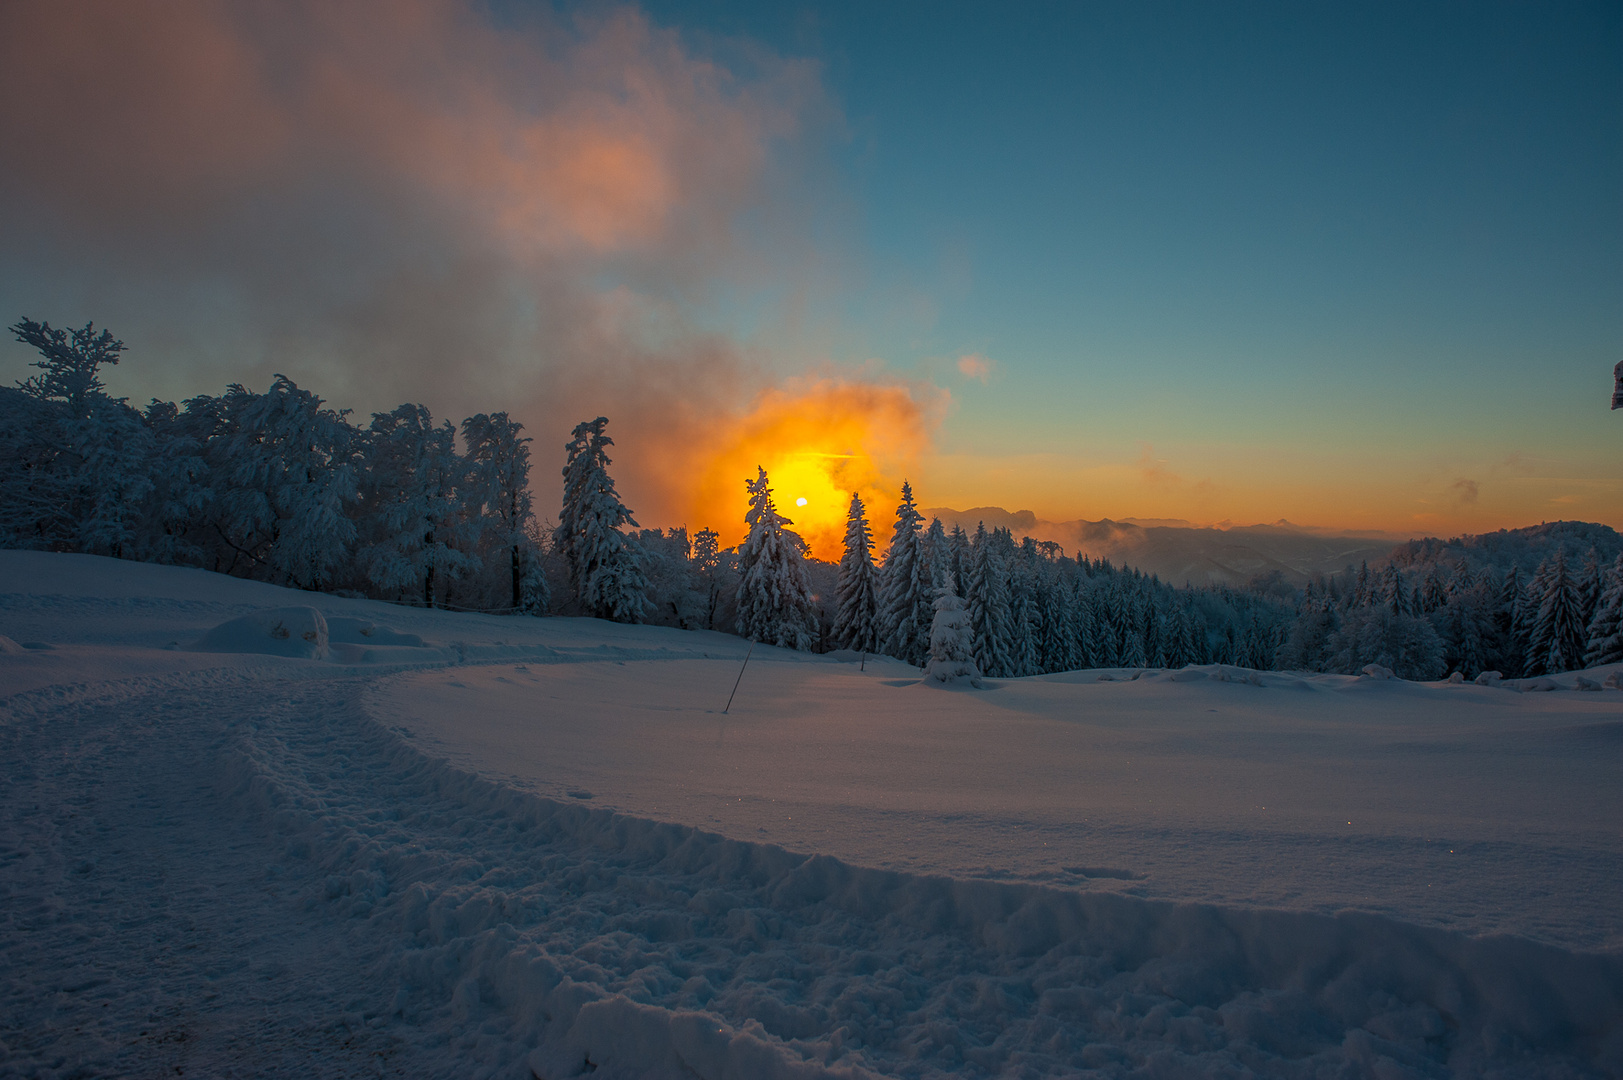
1133 625
856 622
951 641
774 597
78 463
989 609
603 565
287 482
412 499
905 594
1589 586
707 567
498 460
1393 593
1556 641
1605 645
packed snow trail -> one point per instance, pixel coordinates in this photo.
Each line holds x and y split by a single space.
237 872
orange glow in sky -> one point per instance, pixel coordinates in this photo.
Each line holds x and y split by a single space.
819 441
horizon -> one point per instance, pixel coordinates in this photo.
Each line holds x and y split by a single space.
1352 269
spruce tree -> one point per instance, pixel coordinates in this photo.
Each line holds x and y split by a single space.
1556 640
411 503
989 610
1605 645
774 597
856 621
905 594
603 567
951 641
499 485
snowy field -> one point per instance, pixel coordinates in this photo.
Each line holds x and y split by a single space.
454 845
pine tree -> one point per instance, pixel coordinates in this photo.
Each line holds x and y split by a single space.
707 567
1605 645
774 597
951 641
856 622
499 483
1589 586
79 463
1433 593
412 500
990 613
288 480
1394 594
1556 641
905 596
603 565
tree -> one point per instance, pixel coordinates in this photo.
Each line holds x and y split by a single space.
707 567
905 596
285 470
78 462
990 611
499 484
603 565
413 503
1555 641
1377 635
774 597
951 645
856 622
1605 644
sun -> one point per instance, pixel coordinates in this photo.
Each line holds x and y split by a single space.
819 441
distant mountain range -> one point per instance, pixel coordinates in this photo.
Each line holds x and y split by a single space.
1179 552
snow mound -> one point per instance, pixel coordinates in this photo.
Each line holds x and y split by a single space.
9 647
1377 671
288 631
344 630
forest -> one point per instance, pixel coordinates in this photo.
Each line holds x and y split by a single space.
279 487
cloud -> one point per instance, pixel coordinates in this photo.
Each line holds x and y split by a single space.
1464 491
396 200
976 366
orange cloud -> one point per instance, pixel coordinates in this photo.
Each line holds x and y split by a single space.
386 199
819 440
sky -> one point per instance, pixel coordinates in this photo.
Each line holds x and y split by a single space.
1353 266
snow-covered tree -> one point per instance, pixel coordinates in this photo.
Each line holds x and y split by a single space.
774 597
951 641
286 482
603 565
707 568
412 501
1376 635
1605 644
498 458
990 610
905 593
856 622
1556 640
78 463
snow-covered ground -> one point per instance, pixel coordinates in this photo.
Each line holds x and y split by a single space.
463 845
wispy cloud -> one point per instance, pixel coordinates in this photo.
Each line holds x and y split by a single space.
976 366
393 200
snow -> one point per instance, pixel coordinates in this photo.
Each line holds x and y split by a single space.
466 845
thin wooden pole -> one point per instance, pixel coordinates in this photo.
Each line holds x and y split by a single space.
740 678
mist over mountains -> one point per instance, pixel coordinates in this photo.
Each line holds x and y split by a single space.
1179 552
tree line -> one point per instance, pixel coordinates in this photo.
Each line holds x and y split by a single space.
279 487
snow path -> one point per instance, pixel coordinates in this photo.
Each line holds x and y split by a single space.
225 872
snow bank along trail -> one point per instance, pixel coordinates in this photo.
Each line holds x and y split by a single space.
224 872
